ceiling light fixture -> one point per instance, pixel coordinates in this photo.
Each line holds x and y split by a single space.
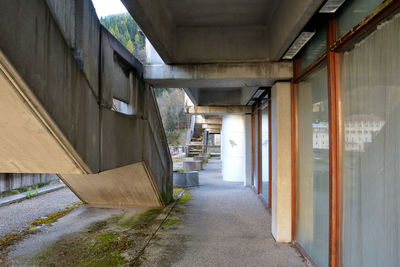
258 93
298 44
251 102
331 6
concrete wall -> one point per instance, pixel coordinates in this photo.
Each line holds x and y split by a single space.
75 69
9 181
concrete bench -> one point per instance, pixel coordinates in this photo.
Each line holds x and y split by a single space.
192 165
186 179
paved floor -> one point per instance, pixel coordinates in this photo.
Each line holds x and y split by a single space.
227 225
15 216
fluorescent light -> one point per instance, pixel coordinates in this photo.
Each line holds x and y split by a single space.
298 44
258 93
251 102
331 6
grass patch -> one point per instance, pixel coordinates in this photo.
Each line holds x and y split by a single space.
141 218
111 242
23 189
170 222
185 198
176 192
103 249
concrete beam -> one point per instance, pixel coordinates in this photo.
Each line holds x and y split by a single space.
218 110
213 121
214 131
218 75
287 21
212 126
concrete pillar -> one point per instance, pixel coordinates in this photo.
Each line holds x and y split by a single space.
233 148
281 162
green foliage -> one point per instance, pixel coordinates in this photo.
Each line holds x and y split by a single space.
125 30
22 189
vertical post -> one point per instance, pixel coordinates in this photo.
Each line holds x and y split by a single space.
252 145
294 153
269 151
205 141
333 149
259 149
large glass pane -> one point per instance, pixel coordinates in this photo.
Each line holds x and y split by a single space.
265 150
255 174
370 220
352 12
313 167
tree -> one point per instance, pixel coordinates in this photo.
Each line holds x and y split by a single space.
130 47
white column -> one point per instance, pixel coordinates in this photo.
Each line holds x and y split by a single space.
281 162
233 148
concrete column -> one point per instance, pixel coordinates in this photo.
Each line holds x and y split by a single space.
281 162
233 148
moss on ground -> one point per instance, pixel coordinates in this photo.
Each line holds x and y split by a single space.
17 235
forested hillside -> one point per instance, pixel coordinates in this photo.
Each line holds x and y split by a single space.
171 105
125 29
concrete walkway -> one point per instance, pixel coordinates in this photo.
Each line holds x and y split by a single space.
227 225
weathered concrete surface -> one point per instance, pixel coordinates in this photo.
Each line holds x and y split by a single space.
52 76
192 165
281 179
226 75
221 31
218 110
225 224
115 188
211 126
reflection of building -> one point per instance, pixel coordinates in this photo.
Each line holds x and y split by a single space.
359 130
320 135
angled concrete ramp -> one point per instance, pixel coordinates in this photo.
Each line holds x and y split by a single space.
30 141
128 186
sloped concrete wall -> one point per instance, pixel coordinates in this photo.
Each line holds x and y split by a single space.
75 69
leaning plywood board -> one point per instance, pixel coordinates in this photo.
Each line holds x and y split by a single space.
129 186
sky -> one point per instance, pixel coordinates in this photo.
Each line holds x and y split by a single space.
108 7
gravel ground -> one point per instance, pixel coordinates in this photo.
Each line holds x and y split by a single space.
15 216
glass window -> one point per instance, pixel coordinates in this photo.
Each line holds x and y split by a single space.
265 151
313 168
370 220
314 48
255 174
352 12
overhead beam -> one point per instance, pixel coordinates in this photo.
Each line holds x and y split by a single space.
213 131
213 121
218 75
211 126
218 110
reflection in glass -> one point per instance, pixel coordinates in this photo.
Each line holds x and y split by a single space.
370 183
265 150
255 173
312 219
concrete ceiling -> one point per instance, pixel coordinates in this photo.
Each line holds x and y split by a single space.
211 13
209 31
